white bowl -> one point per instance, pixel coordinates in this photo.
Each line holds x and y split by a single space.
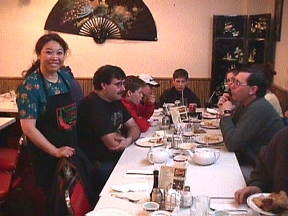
151 206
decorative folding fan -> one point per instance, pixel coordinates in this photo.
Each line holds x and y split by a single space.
100 28
100 19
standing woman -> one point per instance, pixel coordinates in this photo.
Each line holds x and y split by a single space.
47 109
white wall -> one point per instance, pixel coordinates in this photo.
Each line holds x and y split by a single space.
184 37
281 58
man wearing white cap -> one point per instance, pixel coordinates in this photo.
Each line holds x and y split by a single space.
148 95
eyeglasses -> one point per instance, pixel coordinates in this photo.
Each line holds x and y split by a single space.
119 84
238 83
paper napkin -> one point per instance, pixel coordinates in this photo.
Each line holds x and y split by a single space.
141 185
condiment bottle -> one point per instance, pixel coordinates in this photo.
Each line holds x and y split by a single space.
186 198
156 196
155 183
200 117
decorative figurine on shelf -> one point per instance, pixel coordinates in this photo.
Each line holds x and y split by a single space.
239 54
258 27
252 55
230 28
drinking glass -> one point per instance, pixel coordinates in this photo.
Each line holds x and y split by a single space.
184 102
200 206
175 116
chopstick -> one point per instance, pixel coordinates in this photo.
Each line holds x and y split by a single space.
134 173
222 198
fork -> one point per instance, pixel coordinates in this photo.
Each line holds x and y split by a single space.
230 210
124 197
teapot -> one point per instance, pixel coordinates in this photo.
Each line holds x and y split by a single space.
205 156
158 155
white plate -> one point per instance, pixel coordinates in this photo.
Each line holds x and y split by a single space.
253 206
211 111
109 212
187 146
209 116
161 213
207 126
169 104
200 139
147 142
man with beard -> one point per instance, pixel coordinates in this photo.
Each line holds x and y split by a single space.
253 123
105 127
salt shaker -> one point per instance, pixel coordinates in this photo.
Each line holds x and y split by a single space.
186 198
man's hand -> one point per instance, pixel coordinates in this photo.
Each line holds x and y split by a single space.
225 97
242 194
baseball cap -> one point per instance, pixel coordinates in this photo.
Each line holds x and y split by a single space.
149 80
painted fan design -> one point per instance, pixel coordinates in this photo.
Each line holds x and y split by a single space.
100 28
103 19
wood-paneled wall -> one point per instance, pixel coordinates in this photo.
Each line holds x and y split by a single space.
201 87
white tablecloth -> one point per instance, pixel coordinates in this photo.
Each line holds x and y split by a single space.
6 121
220 179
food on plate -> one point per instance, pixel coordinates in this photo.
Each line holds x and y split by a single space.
212 137
276 203
156 140
200 131
210 123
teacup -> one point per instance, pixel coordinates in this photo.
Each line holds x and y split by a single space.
180 160
158 155
205 156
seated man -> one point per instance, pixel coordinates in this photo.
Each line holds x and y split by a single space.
105 127
254 122
148 95
180 79
131 98
271 171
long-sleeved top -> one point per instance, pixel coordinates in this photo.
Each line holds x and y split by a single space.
140 114
171 95
271 171
272 98
250 128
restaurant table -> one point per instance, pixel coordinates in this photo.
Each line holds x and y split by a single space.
7 104
219 180
6 121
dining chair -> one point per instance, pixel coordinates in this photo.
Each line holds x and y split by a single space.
76 199
8 159
5 185
9 156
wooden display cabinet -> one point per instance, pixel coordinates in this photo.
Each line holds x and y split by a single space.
237 41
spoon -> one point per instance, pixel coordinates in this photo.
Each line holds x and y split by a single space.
124 197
